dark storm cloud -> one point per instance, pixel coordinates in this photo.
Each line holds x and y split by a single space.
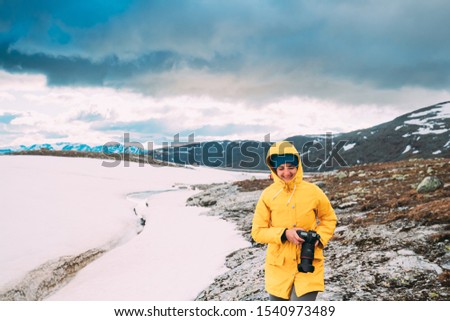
63 70
383 44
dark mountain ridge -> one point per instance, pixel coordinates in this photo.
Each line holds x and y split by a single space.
424 133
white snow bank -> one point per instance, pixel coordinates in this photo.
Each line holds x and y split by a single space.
176 256
53 207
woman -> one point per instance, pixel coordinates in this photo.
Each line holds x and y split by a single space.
288 205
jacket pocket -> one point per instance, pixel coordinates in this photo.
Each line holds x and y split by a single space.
274 255
275 260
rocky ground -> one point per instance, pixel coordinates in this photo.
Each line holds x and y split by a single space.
49 277
391 243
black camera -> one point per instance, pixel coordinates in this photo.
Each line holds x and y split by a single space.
307 251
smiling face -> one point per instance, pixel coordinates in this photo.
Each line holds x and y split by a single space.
286 172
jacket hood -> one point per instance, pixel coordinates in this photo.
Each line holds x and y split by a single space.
281 148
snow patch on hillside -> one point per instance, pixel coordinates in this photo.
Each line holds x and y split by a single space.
430 121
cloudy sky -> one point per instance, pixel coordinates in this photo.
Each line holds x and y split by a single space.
90 71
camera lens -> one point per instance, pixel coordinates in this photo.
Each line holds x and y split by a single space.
307 251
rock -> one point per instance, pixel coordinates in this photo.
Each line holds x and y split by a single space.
399 177
413 263
361 190
48 277
347 205
321 184
429 184
350 198
406 252
207 201
341 175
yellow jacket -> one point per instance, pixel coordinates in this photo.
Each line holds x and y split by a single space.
285 205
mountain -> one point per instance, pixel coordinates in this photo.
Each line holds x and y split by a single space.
115 148
424 133
242 154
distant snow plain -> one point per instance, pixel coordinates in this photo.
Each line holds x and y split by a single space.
52 207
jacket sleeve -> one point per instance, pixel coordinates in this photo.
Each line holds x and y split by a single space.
327 218
262 231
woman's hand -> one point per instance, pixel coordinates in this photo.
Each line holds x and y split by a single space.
293 237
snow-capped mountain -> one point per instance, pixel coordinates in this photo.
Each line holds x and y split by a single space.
424 133
107 149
